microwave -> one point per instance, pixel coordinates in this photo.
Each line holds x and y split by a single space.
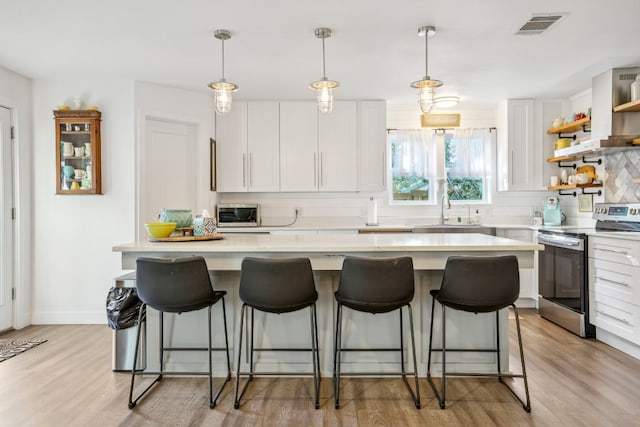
238 214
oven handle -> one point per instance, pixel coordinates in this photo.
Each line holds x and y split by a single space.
561 242
604 279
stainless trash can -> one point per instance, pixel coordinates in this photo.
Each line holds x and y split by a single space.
124 340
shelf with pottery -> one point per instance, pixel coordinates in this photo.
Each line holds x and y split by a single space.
78 149
629 106
571 127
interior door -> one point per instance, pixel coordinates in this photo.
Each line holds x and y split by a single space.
6 221
168 170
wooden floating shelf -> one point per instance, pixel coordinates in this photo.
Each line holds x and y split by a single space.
629 106
576 126
573 186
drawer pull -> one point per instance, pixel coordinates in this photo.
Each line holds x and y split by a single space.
625 321
604 279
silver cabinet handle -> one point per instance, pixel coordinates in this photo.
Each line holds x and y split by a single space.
321 168
614 317
250 171
244 170
315 171
611 281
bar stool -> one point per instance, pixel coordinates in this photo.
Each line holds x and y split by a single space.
176 286
478 285
277 286
376 285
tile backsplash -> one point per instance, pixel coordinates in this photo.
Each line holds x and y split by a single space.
621 168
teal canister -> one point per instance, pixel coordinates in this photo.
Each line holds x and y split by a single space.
182 217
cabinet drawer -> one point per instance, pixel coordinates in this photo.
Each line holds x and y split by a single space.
615 280
621 251
616 316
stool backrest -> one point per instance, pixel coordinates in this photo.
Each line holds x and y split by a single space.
174 285
480 284
277 285
384 281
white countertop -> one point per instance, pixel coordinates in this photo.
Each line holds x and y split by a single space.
386 227
385 242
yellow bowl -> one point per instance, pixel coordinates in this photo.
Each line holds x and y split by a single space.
92 108
160 229
562 143
63 107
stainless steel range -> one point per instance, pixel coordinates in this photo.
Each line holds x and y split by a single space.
562 266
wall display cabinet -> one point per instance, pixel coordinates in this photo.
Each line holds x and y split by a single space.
247 148
318 152
78 163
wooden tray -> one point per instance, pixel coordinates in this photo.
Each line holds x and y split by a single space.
186 238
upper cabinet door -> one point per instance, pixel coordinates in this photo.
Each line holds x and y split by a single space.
263 148
338 147
516 161
231 149
372 141
298 146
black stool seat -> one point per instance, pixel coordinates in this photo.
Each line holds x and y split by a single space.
277 286
375 285
478 285
176 286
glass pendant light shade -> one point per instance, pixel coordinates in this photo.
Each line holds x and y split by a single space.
223 89
426 95
324 87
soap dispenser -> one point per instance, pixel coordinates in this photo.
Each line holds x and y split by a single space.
372 212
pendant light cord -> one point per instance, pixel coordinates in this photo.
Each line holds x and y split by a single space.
222 59
426 55
324 69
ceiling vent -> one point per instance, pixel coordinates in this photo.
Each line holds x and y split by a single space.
539 23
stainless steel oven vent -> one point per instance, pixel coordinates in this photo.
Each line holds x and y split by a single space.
538 24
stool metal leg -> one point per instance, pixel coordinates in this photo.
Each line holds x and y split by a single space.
416 396
336 355
527 403
141 318
498 346
314 352
251 346
236 403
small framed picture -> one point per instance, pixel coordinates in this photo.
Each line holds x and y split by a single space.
212 178
585 202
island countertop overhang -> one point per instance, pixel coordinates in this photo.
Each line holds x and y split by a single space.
326 251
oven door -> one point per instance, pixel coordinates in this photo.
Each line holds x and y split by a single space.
562 271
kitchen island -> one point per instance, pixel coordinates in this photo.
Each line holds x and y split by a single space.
326 252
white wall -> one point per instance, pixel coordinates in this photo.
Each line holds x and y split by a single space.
15 93
73 234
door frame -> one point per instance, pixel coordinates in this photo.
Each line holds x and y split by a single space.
12 171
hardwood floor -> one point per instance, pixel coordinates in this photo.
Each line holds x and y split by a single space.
68 381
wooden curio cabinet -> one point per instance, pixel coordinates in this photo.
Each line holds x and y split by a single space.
78 165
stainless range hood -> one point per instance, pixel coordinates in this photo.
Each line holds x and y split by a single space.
610 89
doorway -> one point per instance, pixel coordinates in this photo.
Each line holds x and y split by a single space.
168 169
7 214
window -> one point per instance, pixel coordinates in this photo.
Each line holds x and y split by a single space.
412 157
421 158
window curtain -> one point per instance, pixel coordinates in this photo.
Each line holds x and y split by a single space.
412 149
468 148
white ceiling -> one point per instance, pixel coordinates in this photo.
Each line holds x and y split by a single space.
374 52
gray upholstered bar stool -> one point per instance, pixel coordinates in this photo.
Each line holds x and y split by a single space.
478 285
277 286
177 286
376 285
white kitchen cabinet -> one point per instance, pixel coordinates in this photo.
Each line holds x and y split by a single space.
515 145
317 151
247 148
528 277
372 139
614 292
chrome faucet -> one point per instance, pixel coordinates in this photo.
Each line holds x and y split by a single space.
442 199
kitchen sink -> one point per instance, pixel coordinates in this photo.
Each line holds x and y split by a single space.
454 228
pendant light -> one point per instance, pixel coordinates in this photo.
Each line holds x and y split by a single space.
426 97
223 89
324 87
